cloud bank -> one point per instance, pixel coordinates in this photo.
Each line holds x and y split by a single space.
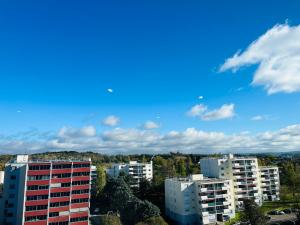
277 54
130 141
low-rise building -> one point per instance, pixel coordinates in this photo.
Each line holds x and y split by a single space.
137 170
199 200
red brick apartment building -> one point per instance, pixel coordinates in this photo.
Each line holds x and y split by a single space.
46 192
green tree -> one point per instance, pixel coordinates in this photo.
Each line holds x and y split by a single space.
253 213
120 198
181 168
144 190
155 220
110 220
101 180
290 176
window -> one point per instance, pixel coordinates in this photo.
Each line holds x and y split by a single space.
80 182
79 200
53 214
60 194
39 167
39 177
82 165
77 174
36 207
65 184
59 223
35 218
83 191
37 187
12 186
61 175
13 177
61 166
77 219
59 204
36 197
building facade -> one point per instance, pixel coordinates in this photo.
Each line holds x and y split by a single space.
46 192
269 177
2 177
245 174
138 171
199 200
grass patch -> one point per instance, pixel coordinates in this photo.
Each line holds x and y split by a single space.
276 205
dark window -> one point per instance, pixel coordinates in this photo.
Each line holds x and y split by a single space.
60 194
78 219
80 200
53 214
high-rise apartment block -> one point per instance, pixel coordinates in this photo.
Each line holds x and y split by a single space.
242 171
249 180
46 192
220 191
137 170
199 200
269 177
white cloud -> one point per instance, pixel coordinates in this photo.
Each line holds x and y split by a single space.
277 54
110 90
69 132
111 121
197 110
150 125
226 111
257 118
130 141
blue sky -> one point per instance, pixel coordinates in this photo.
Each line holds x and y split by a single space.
59 58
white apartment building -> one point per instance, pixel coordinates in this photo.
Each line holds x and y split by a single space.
269 177
1 177
245 174
137 170
199 200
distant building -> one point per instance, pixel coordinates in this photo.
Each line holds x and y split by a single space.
46 192
137 170
269 177
245 174
93 173
199 200
2 177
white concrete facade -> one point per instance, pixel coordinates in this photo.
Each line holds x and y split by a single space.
246 177
2 177
199 200
137 170
270 183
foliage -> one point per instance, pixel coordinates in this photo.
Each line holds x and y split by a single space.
101 180
290 177
239 216
253 213
156 220
110 220
120 198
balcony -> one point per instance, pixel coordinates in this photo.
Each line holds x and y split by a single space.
203 197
